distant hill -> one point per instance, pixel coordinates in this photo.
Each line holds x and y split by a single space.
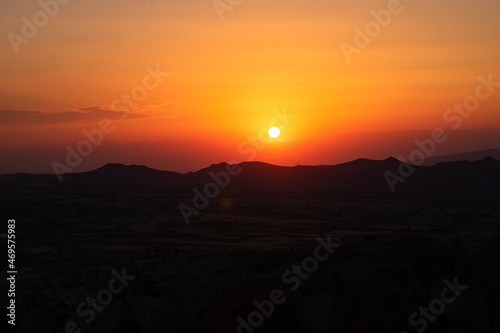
468 156
358 177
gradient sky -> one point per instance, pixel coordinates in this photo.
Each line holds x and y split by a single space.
226 78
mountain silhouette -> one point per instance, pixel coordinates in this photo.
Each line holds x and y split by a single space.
358 176
467 156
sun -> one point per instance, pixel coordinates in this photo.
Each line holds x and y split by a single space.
274 132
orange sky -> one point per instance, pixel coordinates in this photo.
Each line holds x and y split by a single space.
226 78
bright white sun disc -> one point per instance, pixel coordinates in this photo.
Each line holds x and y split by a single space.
274 132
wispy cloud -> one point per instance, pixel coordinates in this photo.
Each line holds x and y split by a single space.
161 104
160 110
41 118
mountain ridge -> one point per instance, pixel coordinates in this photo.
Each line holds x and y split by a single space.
258 178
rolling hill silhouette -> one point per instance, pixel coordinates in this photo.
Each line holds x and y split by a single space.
358 176
467 156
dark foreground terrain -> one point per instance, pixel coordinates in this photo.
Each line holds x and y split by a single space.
304 249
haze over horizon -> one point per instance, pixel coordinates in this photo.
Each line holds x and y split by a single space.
464 156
